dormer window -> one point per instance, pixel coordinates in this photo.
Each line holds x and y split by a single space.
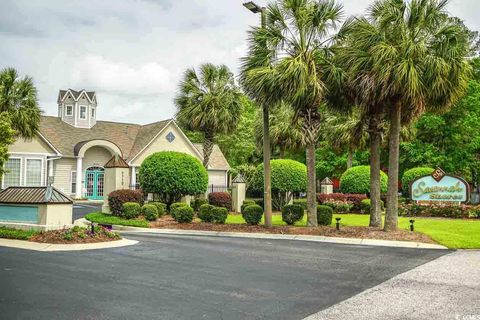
93 113
83 112
69 111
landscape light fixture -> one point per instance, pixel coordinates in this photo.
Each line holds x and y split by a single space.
412 228
338 223
252 6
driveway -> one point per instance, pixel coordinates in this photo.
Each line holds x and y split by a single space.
182 277
81 209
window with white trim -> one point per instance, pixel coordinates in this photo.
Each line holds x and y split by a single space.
11 176
33 173
83 112
93 113
73 182
69 111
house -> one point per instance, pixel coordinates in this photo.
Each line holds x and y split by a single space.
72 148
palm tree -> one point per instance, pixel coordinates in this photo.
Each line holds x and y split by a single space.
404 58
285 133
209 102
291 62
18 99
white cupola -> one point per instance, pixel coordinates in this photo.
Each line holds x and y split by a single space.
78 108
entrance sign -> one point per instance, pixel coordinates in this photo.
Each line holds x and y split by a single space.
440 186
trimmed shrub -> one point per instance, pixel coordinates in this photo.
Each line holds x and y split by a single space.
353 199
198 202
260 202
410 175
220 199
301 202
339 206
117 198
172 175
205 213
245 204
175 206
219 214
184 214
150 212
366 204
439 210
131 210
357 180
288 176
292 213
252 214
161 208
324 215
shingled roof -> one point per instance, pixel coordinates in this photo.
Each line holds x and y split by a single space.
217 159
33 195
76 94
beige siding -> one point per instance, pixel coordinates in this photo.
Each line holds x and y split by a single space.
180 144
217 178
62 171
96 157
35 145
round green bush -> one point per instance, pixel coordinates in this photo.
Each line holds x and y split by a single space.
205 213
198 202
161 208
301 202
410 175
252 214
292 213
324 215
219 214
357 180
172 175
246 203
365 205
184 214
150 212
175 206
131 210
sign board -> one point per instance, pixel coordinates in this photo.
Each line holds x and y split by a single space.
440 186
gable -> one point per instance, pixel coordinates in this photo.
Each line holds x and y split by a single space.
161 143
35 145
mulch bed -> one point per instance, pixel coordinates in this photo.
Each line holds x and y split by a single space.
168 222
58 237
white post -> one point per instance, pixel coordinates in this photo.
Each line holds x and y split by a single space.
50 171
78 191
133 178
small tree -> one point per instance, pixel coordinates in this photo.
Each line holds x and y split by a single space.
288 177
357 180
173 175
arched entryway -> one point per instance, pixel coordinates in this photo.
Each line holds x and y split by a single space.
94 181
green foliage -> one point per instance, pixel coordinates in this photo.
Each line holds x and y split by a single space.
131 210
175 206
173 175
161 208
197 203
8 233
292 213
435 210
108 219
252 214
357 180
6 139
324 215
365 205
246 203
150 212
117 198
220 199
300 202
183 214
219 214
247 171
410 175
205 213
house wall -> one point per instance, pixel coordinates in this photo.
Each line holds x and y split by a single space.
217 178
35 145
75 120
62 171
179 144
96 157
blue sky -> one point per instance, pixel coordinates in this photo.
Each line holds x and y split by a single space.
132 52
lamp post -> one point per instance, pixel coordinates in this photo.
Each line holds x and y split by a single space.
255 8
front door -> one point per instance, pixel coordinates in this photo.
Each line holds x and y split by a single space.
94 183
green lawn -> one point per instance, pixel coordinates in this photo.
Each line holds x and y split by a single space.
454 234
102 218
8 233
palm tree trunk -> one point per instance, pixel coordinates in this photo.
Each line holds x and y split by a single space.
349 158
207 148
375 192
311 187
282 153
391 218
267 171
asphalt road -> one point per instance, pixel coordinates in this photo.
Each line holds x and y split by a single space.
80 209
180 277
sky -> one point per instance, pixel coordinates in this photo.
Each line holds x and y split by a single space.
132 53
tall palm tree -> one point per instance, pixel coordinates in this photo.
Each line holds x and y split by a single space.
209 101
406 57
285 133
18 99
295 67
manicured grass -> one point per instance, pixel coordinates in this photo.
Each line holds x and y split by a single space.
454 234
8 233
102 218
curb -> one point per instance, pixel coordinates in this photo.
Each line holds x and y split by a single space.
48 247
350 241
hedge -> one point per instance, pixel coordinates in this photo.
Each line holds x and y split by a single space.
301 202
324 215
197 203
292 213
357 180
220 199
161 208
184 214
205 213
150 212
175 206
117 198
440 211
220 215
410 175
366 204
252 214
354 199
245 204
131 210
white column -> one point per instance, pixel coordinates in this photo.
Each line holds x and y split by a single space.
133 177
78 191
50 171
